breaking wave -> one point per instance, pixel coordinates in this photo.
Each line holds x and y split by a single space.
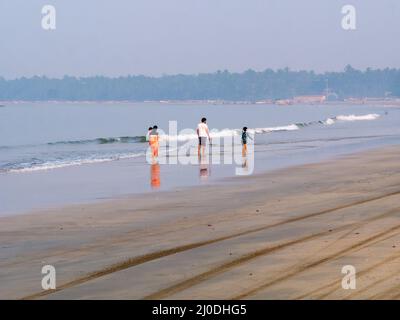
34 164
38 165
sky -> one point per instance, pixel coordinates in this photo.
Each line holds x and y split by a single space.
156 37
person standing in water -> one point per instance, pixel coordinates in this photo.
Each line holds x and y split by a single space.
148 134
153 141
245 135
203 134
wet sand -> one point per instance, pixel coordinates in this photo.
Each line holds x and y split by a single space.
281 235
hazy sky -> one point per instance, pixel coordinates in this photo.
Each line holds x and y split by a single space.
154 37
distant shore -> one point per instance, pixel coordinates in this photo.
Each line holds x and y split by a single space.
285 235
284 102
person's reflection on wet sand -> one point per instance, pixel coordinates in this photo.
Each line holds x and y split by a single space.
204 167
155 181
245 165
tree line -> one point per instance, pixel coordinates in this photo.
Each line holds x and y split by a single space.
221 85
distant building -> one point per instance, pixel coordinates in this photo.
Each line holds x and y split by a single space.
309 99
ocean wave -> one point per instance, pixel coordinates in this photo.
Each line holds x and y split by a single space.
40 165
213 133
58 164
127 139
328 121
193 136
352 117
290 127
109 140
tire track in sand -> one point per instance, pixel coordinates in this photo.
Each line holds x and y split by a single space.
185 284
335 285
131 262
303 267
387 260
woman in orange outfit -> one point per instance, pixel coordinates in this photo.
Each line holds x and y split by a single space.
153 141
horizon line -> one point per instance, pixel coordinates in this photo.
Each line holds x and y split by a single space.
286 69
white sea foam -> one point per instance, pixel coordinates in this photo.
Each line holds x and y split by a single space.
193 136
228 133
352 117
329 121
290 127
51 165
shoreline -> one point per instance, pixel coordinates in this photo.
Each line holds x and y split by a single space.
348 102
257 238
224 179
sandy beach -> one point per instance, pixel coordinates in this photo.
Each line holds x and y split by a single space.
280 235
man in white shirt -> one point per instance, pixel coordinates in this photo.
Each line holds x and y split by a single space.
203 134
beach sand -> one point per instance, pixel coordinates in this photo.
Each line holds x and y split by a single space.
280 235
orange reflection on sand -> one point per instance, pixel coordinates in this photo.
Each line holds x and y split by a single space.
155 180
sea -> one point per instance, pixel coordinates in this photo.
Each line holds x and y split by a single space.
60 153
